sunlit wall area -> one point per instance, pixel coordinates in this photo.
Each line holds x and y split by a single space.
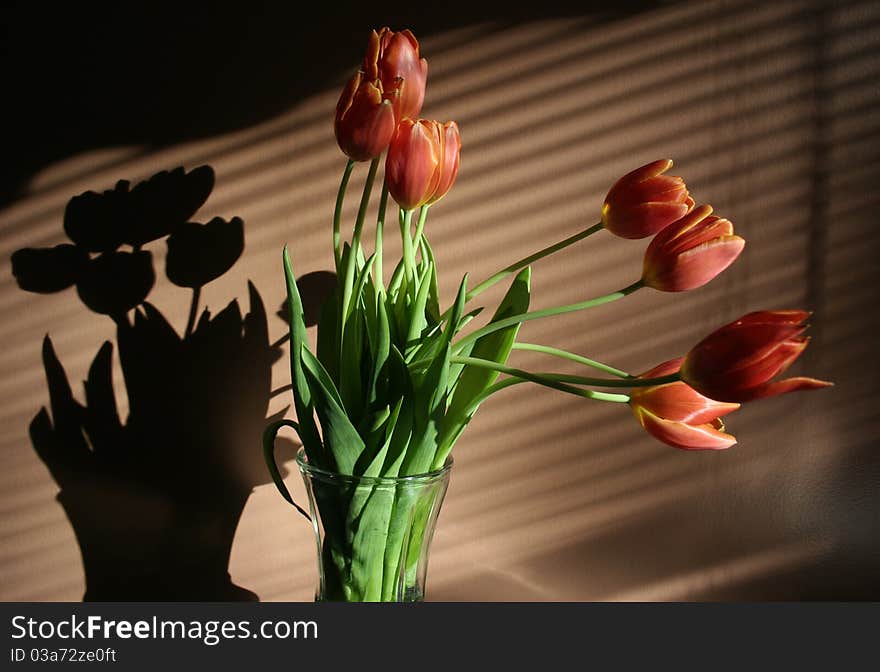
769 111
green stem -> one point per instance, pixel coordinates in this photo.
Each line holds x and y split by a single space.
409 261
541 379
547 312
606 382
564 377
337 213
525 261
380 226
351 262
365 202
564 354
423 215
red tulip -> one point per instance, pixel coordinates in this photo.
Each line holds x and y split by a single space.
645 201
395 56
690 252
423 161
365 119
680 416
738 361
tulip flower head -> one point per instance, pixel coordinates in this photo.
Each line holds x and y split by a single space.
678 415
645 201
393 59
738 362
365 118
423 161
690 252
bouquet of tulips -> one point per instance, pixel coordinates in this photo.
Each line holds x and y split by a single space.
395 377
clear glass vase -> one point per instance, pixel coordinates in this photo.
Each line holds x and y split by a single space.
373 535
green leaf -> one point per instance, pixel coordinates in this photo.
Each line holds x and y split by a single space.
350 376
399 387
429 410
416 314
374 467
370 516
269 435
396 279
382 349
340 436
369 541
302 396
433 304
328 338
452 326
494 347
360 282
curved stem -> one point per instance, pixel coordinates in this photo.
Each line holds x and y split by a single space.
423 216
564 354
337 213
525 261
380 226
193 310
606 382
542 378
547 312
356 245
409 263
365 202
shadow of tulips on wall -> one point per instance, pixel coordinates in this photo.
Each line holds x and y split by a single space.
155 500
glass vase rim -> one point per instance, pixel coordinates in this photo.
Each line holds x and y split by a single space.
351 479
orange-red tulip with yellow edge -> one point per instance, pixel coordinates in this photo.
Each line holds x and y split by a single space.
645 201
393 56
450 160
678 415
690 252
739 361
422 162
365 120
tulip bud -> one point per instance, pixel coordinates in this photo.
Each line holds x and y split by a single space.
395 56
738 361
690 252
645 201
679 415
423 161
365 118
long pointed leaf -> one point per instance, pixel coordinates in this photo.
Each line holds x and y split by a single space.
494 347
302 396
340 436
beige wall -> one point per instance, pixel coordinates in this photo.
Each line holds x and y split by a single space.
769 110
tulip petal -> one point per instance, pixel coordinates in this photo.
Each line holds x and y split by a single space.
679 230
678 238
695 267
735 347
680 403
660 188
737 362
684 436
663 369
647 171
796 384
790 317
645 219
450 153
412 167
